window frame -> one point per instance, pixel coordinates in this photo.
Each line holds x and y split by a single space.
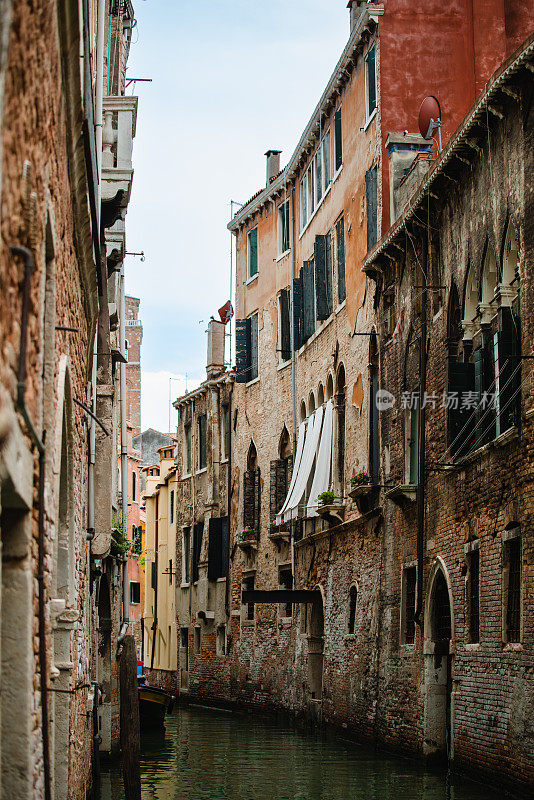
280 348
252 275
351 613
408 636
316 181
186 555
511 539
187 449
285 610
472 553
225 432
202 447
338 156
284 220
132 601
370 113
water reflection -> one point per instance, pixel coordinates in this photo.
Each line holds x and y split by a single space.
209 755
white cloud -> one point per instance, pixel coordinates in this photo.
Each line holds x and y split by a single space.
155 388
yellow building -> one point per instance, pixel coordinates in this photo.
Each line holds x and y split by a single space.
160 643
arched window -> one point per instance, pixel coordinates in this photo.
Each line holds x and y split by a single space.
488 285
374 438
280 478
340 413
320 395
303 413
411 413
510 264
134 486
461 379
470 303
311 403
252 492
329 387
351 618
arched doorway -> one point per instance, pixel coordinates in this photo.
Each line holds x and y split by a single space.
438 665
316 649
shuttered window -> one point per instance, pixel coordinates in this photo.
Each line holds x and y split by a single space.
246 349
461 421
285 325
280 478
370 81
217 548
202 442
283 228
371 204
338 139
323 276
340 259
252 499
188 460
252 255
186 553
197 547
297 312
507 371
308 292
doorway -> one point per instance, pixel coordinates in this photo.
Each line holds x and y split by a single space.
316 649
438 666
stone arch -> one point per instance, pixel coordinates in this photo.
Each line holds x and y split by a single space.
470 302
284 444
329 386
64 544
316 646
454 322
311 403
352 604
320 395
339 428
488 282
303 413
252 456
438 654
509 262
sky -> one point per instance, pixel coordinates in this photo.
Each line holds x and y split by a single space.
230 80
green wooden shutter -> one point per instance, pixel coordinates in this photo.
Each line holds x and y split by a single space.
338 139
461 380
371 81
319 260
309 299
285 332
371 188
340 247
297 313
329 273
272 488
242 350
253 371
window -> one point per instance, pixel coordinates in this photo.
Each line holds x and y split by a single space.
188 450
374 431
409 585
512 586
186 553
315 181
170 570
307 282
153 575
225 432
411 443
134 487
473 592
135 592
252 492
284 241
281 469
506 346
353 599
370 82
221 640
323 276
137 540
340 260
285 581
198 529
197 639
217 548
171 507
247 609
202 443
285 325
371 193
246 332
338 140
252 252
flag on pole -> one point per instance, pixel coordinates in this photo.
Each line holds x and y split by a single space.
226 312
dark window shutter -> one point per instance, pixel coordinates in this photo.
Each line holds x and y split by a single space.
461 380
257 499
329 273
309 299
273 496
340 246
323 300
285 332
253 372
251 499
338 139
218 547
478 358
372 211
242 350
297 313
371 81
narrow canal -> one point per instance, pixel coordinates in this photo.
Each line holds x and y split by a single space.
210 755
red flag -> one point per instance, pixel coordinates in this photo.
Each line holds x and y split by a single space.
226 312
397 333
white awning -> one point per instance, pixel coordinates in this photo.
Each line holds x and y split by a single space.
303 471
296 466
323 465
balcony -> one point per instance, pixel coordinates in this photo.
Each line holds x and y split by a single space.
120 117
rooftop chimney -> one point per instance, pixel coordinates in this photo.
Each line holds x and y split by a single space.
215 362
355 10
273 164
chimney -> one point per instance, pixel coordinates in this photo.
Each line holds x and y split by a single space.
273 164
409 160
215 362
354 7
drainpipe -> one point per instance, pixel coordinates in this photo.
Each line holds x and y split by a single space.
229 499
293 370
124 462
421 475
192 532
29 266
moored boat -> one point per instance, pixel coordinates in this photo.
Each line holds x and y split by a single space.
154 703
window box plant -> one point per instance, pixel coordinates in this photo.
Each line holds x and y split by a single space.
248 539
329 507
360 485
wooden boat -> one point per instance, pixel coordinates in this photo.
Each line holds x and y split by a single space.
154 703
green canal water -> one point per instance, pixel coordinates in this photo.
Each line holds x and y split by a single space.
207 754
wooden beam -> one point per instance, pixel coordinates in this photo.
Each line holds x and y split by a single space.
280 596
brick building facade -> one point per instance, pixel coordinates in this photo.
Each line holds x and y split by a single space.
305 418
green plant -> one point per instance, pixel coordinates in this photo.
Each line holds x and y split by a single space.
141 560
247 533
325 498
123 544
360 479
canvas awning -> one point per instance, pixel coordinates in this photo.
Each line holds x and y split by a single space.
323 464
302 472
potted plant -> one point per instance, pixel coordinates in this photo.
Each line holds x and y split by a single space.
247 534
326 498
330 508
362 491
361 478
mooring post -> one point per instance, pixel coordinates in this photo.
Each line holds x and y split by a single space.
129 719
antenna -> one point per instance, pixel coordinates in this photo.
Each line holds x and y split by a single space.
430 119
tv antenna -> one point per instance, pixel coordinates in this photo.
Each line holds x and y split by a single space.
430 119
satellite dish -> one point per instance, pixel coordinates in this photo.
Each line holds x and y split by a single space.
430 119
